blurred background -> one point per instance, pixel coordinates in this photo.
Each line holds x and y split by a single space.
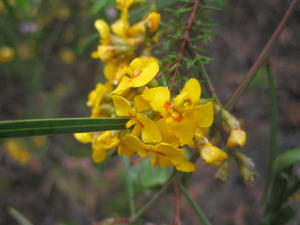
46 72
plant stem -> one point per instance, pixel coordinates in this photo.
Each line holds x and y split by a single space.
261 58
177 220
202 218
154 199
129 186
273 116
185 39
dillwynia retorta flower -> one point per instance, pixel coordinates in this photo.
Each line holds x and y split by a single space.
161 127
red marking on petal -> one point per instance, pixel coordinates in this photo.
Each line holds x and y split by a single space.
167 105
178 118
159 153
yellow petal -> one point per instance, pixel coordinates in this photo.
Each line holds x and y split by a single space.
166 135
237 137
124 4
144 70
184 130
95 97
204 114
120 27
159 161
153 21
123 86
104 30
173 154
190 93
84 137
150 131
133 144
137 29
122 106
99 154
159 98
186 167
212 154
141 104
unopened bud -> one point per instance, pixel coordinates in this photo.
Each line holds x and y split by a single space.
223 171
237 137
247 174
244 160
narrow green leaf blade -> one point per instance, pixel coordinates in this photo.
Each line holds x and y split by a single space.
22 128
22 220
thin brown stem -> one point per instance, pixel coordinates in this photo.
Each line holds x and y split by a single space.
261 58
184 43
177 219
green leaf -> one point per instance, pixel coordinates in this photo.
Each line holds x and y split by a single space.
286 160
22 220
99 5
21 128
24 5
146 176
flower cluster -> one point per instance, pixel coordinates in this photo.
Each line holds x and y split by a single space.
162 127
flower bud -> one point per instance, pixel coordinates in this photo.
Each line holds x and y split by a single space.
237 137
212 154
247 174
223 171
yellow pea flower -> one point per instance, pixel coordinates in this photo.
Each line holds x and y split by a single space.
104 31
237 137
17 151
139 73
113 70
96 99
184 114
212 154
105 141
84 137
153 21
6 54
142 124
161 154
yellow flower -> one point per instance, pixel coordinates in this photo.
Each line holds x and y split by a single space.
184 114
96 99
105 141
67 56
237 137
6 54
17 151
153 21
212 154
104 31
84 137
113 70
161 154
139 73
142 124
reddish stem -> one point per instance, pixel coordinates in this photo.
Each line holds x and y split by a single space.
185 39
261 58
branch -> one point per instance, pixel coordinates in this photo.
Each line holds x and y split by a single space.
261 58
185 40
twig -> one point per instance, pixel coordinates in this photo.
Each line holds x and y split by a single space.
201 216
177 219
261 58
184 43
153 200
